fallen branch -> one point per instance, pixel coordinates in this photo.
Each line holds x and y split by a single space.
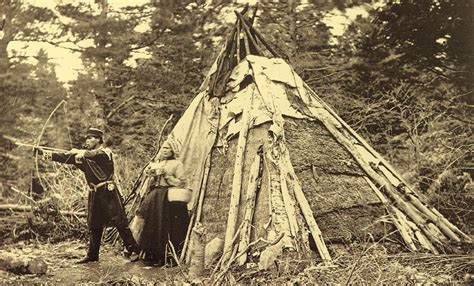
24 208
24 195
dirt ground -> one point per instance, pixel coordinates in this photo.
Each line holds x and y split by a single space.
113 268
374 267
360 262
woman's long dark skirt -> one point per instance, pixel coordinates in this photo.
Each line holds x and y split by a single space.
163 221
178 226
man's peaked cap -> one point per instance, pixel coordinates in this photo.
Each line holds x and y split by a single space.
94 132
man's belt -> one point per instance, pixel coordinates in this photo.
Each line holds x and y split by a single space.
110 186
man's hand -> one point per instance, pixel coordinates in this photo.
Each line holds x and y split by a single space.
45 154
37 151
80 155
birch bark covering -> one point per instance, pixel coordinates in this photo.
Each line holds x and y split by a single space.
237 179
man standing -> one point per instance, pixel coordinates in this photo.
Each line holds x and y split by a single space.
104 202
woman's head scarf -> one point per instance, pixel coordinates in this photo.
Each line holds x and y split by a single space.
175 146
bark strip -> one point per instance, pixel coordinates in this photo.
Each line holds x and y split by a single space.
249 208
233 216
309 217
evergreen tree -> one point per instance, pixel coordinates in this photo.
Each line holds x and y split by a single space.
28 92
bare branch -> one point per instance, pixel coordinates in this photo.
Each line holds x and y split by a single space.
113 111
54 43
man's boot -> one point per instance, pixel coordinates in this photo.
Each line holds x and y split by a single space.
94 245
87 259
131 246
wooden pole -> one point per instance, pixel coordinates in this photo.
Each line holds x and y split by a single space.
433 233
404 229
309 217
233 53
252 19
289 205
249 35
302 242
227 255
424 242
401 225
452 226
196 265
421 237
433 217
262 39
184 257
202 190
249 208
246 44
278 216
196 217
237 41
418 204
227 52
377 191
237 179
217 74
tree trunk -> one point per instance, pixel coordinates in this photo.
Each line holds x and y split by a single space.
7 11
293 28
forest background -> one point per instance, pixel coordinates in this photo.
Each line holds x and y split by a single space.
401 75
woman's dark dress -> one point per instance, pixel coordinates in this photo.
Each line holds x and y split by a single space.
163 221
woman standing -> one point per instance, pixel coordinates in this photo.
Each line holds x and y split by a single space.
163 220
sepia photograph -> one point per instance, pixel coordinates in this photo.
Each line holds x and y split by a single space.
236 142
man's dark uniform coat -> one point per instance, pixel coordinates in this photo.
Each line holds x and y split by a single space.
104 203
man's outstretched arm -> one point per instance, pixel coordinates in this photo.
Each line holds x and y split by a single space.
61 157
